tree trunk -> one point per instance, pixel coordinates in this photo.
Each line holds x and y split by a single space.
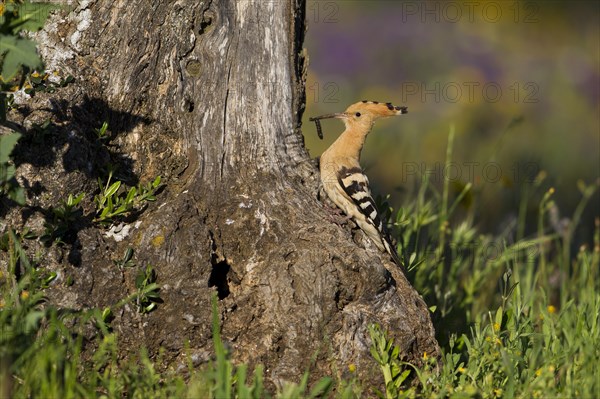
209 95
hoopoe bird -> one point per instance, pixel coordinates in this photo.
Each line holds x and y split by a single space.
342 177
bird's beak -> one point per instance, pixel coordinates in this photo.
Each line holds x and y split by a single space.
328 116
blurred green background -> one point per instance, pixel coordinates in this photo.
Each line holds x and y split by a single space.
520 81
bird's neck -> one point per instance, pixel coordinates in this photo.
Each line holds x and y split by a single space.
351 142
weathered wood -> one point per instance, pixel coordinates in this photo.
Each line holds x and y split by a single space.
210 95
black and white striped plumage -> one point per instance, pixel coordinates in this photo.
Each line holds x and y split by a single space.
356 185
342 177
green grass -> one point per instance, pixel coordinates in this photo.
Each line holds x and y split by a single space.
517 316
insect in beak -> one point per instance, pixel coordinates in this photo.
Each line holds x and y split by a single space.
319 130
317 121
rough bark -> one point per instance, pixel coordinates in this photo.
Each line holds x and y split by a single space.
209 94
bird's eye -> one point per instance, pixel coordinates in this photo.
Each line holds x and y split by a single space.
358 114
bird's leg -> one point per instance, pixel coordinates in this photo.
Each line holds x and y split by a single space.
334 214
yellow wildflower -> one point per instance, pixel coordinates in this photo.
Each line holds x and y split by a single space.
352 367
551 309
24 294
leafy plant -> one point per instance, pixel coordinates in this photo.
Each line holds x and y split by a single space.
16 50
387 355
293 390
112 203
20 299
9 186
101 133
62 219
6 240
40 82
148 294
127 260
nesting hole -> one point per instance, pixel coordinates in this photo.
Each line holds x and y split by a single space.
218 277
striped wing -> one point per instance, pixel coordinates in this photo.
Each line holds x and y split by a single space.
356 185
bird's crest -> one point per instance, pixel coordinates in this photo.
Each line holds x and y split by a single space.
377 109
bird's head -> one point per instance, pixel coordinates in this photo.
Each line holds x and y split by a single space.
363 114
